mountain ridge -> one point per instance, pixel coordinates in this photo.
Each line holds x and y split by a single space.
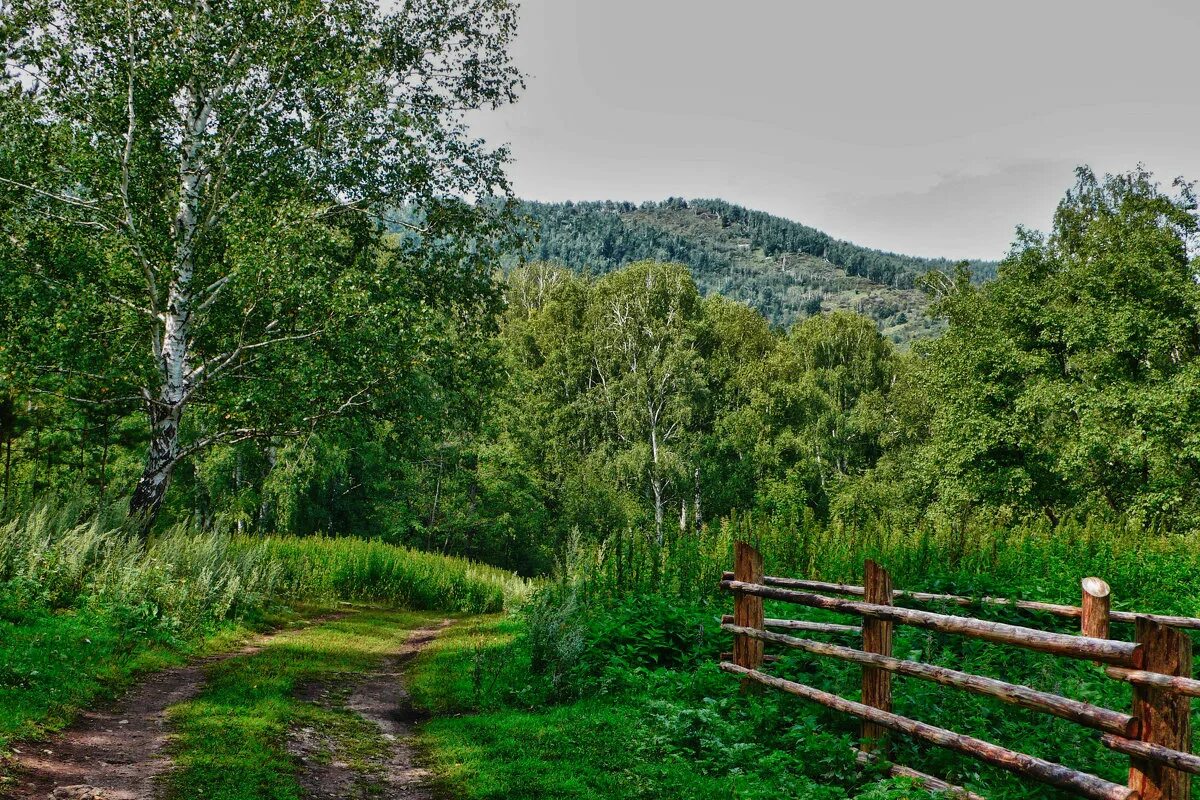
784 269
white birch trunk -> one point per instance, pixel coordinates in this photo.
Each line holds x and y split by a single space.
166 405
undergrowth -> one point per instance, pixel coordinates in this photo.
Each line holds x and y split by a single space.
85 605
605 685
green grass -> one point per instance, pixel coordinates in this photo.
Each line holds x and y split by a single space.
663 734
85 607
372 571
605 684
53 663
231 740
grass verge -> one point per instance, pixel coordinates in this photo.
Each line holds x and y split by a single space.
86 606
54 663
496 733
231 740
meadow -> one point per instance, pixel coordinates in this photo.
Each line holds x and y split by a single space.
605 685
85 606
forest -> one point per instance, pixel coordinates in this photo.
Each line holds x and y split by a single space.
282 351
785 270
627 401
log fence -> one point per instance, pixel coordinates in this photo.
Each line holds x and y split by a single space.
1155 733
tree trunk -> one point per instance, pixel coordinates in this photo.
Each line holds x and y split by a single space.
172 354
104 462
437 490
656 486
7 468
264 504
160 461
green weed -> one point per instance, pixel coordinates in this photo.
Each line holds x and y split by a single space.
231 740
85 606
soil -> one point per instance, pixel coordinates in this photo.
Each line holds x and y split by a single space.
378 697
116 753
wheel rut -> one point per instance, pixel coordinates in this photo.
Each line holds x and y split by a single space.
393 770
118 753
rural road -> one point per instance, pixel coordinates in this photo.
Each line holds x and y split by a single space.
119 753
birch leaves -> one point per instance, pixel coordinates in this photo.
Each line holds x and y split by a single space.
226 164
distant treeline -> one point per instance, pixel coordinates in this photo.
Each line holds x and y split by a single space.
776 235
598 237
634 403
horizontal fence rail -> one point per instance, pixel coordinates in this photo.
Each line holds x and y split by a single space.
1113 652
1075 710
802 625
1029 766
1174 683
1153 752
1158 665
930 782
1056 609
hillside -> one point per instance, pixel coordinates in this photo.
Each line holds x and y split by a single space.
784 269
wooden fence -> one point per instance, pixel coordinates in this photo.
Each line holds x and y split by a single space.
1155 733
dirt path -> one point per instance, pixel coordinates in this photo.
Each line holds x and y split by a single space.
394 772
117 753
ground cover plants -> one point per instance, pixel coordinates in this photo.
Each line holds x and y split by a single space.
232 739
605 683
85 606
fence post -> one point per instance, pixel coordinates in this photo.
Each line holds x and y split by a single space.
1097 598
1163 716
876 638
747 609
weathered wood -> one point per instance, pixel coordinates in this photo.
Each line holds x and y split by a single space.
1124 654
876 638
1097 717
1027 766
1131 617
1174 683
1164 717
930 782
728 655
1097 598
1185 762
921 597
747 610
801 625
1057 609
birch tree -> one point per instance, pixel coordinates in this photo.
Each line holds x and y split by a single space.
206 190
647 373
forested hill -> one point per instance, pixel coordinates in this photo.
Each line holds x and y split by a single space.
782 268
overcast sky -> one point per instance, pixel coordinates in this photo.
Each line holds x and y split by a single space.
927 127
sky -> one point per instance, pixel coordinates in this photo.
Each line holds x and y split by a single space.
927 127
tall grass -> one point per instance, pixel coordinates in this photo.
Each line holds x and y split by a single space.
85 604
319 568
1148 572
179 583
186 578
640 609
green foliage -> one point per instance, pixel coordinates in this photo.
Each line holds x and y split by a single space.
1069 382
230 740
632 404
196 213
84 605
647 671
656 733
316 568
784 270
